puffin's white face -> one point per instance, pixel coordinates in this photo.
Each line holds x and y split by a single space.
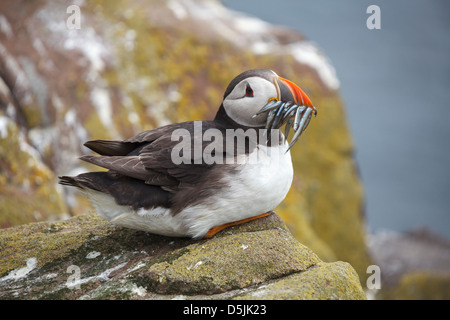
247 98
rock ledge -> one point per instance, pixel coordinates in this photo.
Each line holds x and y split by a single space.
87 258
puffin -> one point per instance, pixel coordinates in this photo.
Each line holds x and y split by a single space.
196 178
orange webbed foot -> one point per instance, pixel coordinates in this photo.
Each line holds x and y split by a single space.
214 230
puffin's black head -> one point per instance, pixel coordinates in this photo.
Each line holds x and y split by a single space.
250 91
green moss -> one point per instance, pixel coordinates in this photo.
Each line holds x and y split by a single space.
47 242
324 281
228 262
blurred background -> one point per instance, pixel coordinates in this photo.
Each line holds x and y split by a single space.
395 83
371 173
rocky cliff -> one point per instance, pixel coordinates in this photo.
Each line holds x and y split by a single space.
132 66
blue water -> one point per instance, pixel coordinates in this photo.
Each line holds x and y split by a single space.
395 83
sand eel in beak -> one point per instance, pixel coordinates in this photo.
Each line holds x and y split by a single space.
193 179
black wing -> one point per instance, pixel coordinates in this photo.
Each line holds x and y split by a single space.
142 172
126 191
148 155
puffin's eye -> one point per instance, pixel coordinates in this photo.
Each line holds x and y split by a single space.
248 91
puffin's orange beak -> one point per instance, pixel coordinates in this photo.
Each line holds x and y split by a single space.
300 98
291 106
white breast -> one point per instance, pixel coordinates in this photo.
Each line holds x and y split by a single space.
257 187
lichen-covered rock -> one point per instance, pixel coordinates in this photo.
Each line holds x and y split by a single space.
28 189
87 258
414 265
227 263
136 65
322 281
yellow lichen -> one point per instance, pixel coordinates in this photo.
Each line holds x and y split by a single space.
29 191
45 241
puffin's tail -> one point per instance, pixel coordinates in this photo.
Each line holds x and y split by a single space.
70 181
125 190
90 180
